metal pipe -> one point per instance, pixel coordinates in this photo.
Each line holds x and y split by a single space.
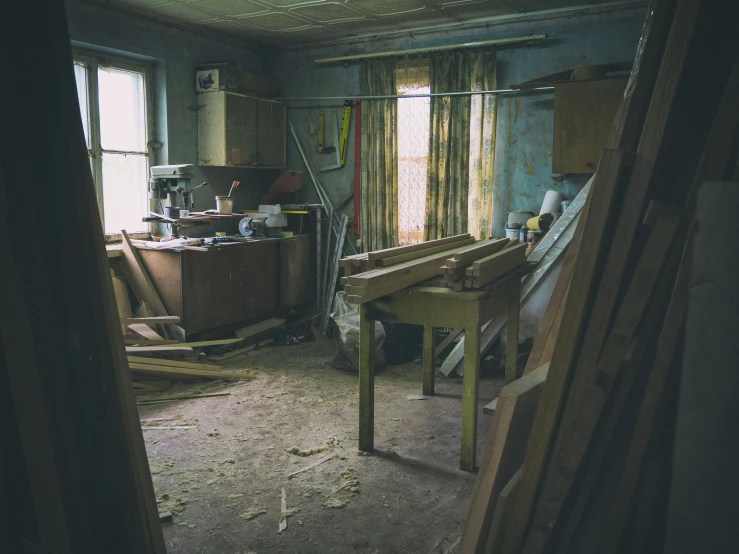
423 95
477 44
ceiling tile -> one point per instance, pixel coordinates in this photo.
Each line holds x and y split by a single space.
179 11
229 8
474 9
382 8
275 21
327 12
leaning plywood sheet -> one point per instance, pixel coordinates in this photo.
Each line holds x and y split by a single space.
504 454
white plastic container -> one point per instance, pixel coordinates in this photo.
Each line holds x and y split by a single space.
512 232
225 205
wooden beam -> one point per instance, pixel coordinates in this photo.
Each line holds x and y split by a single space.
260 327
138 277
481 249
167 370
399 259
174 363
447 341
181 345
398 250
150 320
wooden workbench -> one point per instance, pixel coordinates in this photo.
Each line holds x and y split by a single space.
439 307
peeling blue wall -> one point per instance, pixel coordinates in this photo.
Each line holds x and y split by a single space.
523 149
173 54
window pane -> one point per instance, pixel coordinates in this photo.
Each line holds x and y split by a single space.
125 197
80 76
122 117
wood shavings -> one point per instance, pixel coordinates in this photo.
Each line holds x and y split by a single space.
252 513
330 443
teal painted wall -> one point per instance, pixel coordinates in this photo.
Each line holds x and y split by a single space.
523 149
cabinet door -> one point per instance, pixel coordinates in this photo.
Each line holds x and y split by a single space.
233 146
264 115
250 149
250 114
278 150
233 111
264 146
278 118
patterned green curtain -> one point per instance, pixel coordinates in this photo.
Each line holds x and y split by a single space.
379 214
451 183
449 146
484 117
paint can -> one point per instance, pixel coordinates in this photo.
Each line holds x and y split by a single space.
518 219
225 205
532 237
512 232
564 205
522 234
172 212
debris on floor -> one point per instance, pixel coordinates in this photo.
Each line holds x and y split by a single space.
330 442
283 513
252 513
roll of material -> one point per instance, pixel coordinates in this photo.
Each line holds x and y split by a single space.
540 222
552 202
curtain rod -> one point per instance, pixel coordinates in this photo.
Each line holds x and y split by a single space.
422 95
512 40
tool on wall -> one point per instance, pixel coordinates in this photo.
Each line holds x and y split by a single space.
340 136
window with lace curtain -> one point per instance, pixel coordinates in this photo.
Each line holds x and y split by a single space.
412 77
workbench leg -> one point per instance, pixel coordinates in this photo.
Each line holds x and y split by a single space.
514 309
366 381
428 360
470 385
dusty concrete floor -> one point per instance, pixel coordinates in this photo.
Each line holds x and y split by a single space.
217 478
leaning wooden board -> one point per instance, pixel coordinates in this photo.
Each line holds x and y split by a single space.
504 454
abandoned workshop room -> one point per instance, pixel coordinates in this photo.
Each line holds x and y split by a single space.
375 276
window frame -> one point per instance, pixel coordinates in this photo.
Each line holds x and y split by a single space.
92 61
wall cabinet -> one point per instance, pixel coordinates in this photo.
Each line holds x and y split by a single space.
240 130
583 114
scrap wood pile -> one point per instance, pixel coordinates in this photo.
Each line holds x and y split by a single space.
151 332
458 262
579 453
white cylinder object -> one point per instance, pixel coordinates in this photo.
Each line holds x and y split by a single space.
551 204
512 232
225 204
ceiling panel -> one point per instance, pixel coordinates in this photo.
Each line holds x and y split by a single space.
296 22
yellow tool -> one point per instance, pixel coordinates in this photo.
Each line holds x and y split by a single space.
321 131
346 115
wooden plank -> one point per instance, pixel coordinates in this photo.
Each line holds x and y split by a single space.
398 250
173 363
601 199
508 261
181 397
146 332
395 260
419 270
139 279
504 454
261 327
181 345
447 341
489 408
480 250
495 259
374 294
560 475
149 342
150 320
121 298
650 146
173 371
502 514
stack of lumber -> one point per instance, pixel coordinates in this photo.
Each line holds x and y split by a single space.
595 474
401 267
361 263
483 263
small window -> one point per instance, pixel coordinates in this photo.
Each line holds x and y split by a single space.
113 101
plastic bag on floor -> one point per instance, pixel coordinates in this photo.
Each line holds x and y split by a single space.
346 318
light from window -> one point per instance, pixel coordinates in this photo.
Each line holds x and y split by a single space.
113 108
123 141
412 77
